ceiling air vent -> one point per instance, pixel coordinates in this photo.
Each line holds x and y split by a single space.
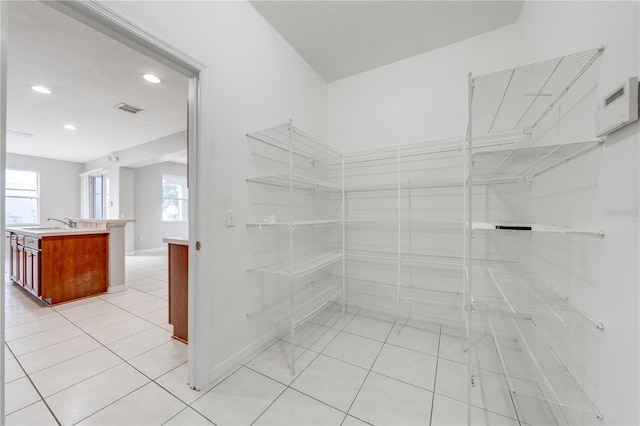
128 108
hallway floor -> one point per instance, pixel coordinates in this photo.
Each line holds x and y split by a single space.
110 360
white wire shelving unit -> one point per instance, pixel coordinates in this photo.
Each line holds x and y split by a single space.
543 375
508 100
306 271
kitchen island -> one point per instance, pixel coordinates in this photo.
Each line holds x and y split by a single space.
59 264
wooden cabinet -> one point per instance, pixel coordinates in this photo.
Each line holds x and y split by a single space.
60 268
178 290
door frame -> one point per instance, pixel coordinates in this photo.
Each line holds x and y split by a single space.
116 26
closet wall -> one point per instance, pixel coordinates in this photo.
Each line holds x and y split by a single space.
424 98
254 80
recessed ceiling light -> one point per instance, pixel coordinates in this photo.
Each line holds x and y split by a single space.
151 78
41 89
70 127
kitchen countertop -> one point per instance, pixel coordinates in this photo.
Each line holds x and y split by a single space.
183 241
53 231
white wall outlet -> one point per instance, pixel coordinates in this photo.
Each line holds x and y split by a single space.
231 220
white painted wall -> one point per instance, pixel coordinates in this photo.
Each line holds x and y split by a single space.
149 227
416 99
601 276
59 184
255 80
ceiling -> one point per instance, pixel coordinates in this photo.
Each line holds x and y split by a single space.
90 73
342 38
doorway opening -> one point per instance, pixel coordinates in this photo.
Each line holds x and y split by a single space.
103 20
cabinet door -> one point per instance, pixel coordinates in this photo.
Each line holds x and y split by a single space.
14 265
36 273
20 265
28 269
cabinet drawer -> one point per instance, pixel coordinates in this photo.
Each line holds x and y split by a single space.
31 242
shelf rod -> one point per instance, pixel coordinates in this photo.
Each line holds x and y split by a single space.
599 324
566 370
536 364
539 160
503 366
504 94
501 164
539 92
582 71
319 308
501 292
290 272
537 296
256 138
399 242
595 143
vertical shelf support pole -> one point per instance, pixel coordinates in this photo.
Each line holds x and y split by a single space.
344 247
469 242
289 275
399 237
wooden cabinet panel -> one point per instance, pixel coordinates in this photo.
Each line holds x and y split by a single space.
178 290
73 266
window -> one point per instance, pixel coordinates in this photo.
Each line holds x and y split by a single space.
22 197
174 199
99 187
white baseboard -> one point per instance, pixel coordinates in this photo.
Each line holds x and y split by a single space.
246 353
149 250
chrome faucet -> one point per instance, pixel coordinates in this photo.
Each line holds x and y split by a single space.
69 223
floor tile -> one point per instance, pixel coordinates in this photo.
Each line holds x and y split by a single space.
34 414
150 284
160 360
104 320
175 381
332 316
19 394
154 304
357 350
313 336
137 344
331 381
85 398
34 327
188 417
239 399
121 330
158 317
294 408
275 361
352 421
57 353
68 373
162 293
128 298
489 391
28 316
372 328
409 366
417 339
44 339
448 411
149 405
12 370
91 308
385 401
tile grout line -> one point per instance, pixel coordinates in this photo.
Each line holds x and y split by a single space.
35 388
288 386
435 377
370 368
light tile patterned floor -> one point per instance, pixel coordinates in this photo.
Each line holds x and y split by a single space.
110 360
